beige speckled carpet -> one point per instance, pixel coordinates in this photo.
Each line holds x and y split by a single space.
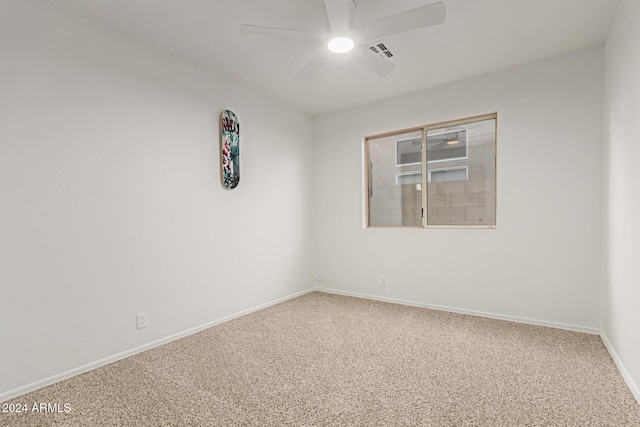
324 359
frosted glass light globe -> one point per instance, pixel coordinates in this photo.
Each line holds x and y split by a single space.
340 44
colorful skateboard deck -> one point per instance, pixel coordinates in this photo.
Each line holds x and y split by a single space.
230 149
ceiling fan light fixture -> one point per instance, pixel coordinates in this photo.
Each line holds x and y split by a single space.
340 44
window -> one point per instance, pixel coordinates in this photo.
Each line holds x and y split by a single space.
404 178
434 175
455 162
447 146
459 173
408 151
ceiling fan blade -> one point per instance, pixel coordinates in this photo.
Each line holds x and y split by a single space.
341 15
420 17
312 66
373 61
279 32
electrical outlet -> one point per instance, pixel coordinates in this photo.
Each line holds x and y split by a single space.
142 320
383 281
319 277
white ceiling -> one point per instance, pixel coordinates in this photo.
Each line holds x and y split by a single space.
478 36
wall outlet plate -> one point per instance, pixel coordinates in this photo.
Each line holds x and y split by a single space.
141 320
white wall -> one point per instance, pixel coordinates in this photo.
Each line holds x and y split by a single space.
621 302
110 196
544 260
110 201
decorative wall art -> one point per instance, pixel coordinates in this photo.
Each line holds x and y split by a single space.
230 149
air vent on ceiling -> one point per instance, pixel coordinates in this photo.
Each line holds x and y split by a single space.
383 49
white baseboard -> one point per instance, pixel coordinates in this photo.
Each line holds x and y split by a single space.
557 325
114 358
635 390
623 369
102 362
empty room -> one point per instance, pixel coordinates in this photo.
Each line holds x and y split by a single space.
319 212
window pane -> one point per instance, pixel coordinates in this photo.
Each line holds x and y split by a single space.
408 151
446 145
395 180
451 174
404 178
461 166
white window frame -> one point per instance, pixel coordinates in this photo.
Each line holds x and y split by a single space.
452 168
396 151
399 174
466 145
430 171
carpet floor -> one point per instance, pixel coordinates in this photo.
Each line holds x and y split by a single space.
329 360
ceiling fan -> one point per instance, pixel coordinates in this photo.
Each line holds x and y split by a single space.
345 37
